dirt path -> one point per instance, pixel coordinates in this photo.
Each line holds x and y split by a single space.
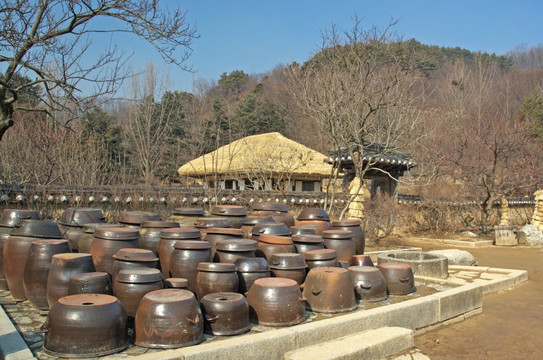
511 325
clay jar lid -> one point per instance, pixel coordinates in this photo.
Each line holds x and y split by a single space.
287 261
11 217
79 216
165 296
271 282
159 224
361 260
307 239
337 234
348 222
256 219
139 275
91 227
189 211
235 245
229 210
213 222
226 231
180 233
216 267
37 228
395 266
252 265
274 228
313 214
176 283
275 239
137 217
192 245
320 254
363 269
270 206
116 233
301 230
138 255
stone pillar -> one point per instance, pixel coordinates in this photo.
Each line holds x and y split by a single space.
356 208
537 218
504 211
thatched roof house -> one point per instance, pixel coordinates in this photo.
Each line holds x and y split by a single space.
267 161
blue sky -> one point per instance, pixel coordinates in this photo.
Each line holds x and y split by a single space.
255 36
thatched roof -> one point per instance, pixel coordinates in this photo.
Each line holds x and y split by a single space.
260 154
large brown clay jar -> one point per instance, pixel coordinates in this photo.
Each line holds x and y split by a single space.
341 241
274 244
329 290
131 285
216 277
90 283
204 224
134 219
133 258
186 217
107 241
249 270
277 211
166 245
150 233
215 234
228 251
354 226
85 241
225 313
315 218
235 213
185 259
63 266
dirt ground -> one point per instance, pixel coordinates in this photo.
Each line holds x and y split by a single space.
511 325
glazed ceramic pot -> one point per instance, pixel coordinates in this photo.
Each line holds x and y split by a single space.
302 230
235 213
204 224
85 325
228 251
329 290
16 250
290 266
251 220
169 318
399 278
361 260
131 285
277 229
108 241
90 283
215 234
36 269
369 283
130 258
72 220
135 218
274 244
63 266
278 212
216 277
315 218
341 241
176 283
225 313
304 243
85 240
44 229
354 226
185 259
321 258
186 217
166 245
150 233
249 270
276 302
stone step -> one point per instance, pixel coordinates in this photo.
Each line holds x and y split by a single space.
368 345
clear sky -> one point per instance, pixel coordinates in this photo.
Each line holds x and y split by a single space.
255 36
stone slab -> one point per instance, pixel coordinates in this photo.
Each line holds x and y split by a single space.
457 301
12 345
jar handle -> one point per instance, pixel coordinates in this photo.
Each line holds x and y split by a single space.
195 321
315 291
404 280
45 327
365 286
211 318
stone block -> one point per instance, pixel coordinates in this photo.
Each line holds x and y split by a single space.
458 301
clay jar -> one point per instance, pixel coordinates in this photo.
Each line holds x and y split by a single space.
85 240
90 283
329 290
36 269
273 244
186 217
361 260
85 325
305 243
132 284
63 266
251 220
302 230
276 302
132 258
225 313
204 224
185 259
216 277
135 218
341 241
168 238
176 283
290 266
399 278
169 318
72 220
108 241
215 234
369 283
315 218
321 258
352 225
235 213
228 251
277 211
278 229
150 233
249 270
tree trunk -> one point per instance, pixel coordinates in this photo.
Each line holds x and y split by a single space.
6 118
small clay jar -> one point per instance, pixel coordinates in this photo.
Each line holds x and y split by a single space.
249 270
176 283
203 224
225 313
168 238
36 269
321 258
228 251
304 243
108 241
361 260
354 226
150 233
278 212
329 290
132 258
168 319
63 267
85 241
216 277
132 284
277 229
186 217
290 266
315 218
251 220
399 278
185 259
90 283
215 234
369 283
341 241
134 219
235 213
274 244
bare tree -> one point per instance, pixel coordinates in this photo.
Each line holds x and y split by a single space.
48 43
